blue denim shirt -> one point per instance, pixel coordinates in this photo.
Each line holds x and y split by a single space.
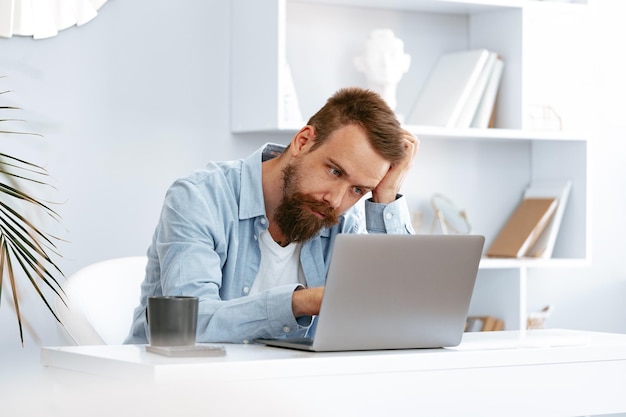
206 245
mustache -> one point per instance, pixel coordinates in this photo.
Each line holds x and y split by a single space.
327 211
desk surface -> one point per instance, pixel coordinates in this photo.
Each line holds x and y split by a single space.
545 372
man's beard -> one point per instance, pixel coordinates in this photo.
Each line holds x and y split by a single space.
294 216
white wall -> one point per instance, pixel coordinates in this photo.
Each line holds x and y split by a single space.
127 103
140 96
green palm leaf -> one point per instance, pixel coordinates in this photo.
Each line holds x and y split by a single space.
26 252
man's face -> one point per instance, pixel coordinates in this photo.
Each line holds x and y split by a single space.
320 185
300 216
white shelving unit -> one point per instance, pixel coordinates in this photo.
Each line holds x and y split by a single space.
483 170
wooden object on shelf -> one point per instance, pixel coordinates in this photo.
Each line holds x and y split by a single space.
537 320
523 228
544 246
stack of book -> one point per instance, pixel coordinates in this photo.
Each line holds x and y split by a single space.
460 91
483 324
532 228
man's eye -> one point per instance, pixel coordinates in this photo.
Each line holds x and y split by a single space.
358 190
335 172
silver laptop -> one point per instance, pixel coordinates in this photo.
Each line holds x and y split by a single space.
394 292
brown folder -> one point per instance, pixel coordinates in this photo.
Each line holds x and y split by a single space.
523 228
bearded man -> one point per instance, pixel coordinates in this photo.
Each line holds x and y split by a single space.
252 238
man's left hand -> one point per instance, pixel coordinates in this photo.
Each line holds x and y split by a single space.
388 188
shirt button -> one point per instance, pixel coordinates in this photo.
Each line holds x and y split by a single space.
255 237
388 216
263 221
286 329
246 290
245 341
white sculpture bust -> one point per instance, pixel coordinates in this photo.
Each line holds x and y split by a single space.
384 63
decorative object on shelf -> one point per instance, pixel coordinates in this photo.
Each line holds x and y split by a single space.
383 62
451 219
523 228
44 18
289 107
537 320
544 117
460 90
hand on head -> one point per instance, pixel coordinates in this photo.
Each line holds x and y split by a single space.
388 188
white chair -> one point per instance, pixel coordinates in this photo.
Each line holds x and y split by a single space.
100 301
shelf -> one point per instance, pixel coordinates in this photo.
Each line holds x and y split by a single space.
274 37
443 6
506 263
442 133
306 46
430 6
434 132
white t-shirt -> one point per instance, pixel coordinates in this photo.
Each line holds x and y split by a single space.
279 265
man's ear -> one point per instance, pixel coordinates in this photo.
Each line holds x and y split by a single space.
303 140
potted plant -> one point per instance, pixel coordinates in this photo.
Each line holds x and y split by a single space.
26 251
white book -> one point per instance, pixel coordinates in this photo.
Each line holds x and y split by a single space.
488 100
523 227
448 87
560 190
473 100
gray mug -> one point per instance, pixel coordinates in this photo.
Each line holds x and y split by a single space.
172 320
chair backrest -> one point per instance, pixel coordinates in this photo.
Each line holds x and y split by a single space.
100 301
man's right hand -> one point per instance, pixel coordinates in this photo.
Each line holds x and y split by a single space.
307 301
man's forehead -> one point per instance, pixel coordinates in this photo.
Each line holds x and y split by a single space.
352 150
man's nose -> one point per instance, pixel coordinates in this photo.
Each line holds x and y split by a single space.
335 195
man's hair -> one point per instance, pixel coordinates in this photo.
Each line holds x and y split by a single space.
366 109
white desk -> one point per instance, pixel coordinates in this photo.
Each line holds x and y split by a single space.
549 372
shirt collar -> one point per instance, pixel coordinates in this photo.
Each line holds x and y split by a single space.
251 202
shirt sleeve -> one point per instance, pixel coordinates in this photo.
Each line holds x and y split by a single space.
392 218
194 244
